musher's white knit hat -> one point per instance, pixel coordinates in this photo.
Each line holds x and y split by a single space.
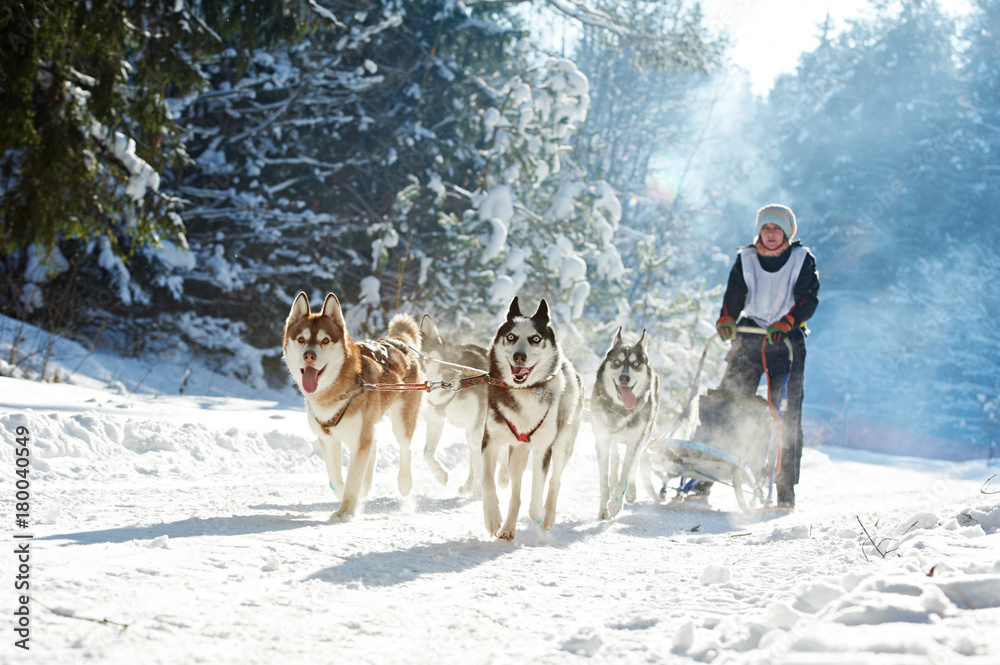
778 215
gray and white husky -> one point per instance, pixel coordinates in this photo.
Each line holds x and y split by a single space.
624 403
535 401
465 409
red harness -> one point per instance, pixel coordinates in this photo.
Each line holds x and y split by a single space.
525 437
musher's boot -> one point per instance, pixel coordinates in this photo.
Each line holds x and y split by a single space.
786 496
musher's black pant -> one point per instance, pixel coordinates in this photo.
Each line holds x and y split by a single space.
746 367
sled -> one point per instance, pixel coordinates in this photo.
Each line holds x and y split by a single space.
737 443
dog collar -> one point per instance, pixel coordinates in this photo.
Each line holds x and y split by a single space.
525 437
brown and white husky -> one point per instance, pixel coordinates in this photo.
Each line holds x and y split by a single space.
330 369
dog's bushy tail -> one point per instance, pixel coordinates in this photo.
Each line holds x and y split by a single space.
405 328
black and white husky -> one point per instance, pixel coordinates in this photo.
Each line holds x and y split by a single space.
624 403
465 409
535 401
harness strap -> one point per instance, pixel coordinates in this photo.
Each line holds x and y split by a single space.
468 382
525 437
776 469
328 425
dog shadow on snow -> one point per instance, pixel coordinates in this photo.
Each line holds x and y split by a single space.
427 560
192 527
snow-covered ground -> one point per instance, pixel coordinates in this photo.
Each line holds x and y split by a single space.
172 529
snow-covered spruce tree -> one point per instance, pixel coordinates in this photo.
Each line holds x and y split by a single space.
307 159
534 225
538 219
85 135
644 112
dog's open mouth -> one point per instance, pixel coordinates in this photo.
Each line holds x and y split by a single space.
310 378
520 374
627 397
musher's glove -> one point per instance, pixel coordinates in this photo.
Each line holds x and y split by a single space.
776 330
726 327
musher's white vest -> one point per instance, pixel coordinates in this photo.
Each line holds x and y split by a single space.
770 295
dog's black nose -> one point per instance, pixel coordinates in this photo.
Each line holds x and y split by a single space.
309 356
519 358
624 379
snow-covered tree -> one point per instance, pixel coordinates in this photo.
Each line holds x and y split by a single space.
320 166
537 226
880 172
86 135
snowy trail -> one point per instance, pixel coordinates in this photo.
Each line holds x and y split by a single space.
204 530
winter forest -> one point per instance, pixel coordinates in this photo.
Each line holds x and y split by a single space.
173 173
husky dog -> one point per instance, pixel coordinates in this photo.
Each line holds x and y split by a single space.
330 368
465 408
625 401
535 401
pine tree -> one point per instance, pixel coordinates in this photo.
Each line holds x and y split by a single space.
87 131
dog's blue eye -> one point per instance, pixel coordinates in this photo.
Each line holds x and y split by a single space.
511 337
535 339
617 363
635 364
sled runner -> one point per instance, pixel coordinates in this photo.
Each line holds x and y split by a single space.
736 443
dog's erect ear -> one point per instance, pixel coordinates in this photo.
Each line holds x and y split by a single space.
642 341
541 315
618 337
514 310
300 307
331 308
428 329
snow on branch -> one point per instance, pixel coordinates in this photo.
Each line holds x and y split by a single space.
588 16
326 14
574 9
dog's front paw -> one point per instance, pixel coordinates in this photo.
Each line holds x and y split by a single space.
491 516
341 515
549 521
507 533
614 506
405 482
603 513
630 494
471 488
536 512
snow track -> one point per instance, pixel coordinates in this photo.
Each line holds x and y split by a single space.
203 529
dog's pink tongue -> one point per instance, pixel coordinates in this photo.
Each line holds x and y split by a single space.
628 397
310 379
520 371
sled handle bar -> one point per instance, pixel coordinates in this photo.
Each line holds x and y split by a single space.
753 330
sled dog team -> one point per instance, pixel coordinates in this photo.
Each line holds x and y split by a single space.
526 405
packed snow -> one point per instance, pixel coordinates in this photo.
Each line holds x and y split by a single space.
175 528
